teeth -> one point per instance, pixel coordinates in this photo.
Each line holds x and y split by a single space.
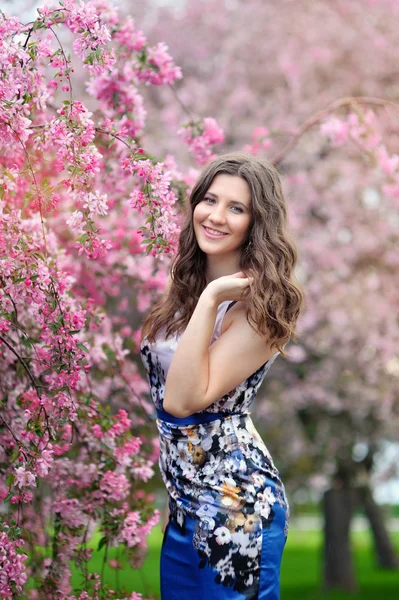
213 232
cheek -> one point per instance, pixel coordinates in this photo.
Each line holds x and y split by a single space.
244 226
199 214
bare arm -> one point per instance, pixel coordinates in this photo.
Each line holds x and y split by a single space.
199 374
187 377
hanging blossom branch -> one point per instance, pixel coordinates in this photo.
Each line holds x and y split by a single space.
102 474
323 114
54 166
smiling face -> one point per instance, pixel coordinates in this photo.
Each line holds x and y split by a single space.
222 218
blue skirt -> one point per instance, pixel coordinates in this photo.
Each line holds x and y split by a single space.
188 573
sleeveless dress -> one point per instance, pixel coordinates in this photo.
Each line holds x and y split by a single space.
229 513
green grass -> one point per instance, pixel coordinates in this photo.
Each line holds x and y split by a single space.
302 567
300 573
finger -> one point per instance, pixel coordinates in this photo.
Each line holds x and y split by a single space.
239 274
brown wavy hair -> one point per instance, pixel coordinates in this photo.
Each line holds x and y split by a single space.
268 254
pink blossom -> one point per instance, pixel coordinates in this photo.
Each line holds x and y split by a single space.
95 203
13 575
126 453
336 130
70 511
24 478
388 164
161 68
116 487
129 36
143 472
130 532
200 136
391 190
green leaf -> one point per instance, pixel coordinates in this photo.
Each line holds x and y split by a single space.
89 60
14 456
27 341
9 175
37 25
102 543
82 347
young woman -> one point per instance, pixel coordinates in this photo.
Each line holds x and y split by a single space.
230 306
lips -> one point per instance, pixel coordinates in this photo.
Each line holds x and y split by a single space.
214 233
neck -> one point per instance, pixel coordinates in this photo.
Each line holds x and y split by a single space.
218 266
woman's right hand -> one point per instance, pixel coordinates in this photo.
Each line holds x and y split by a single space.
229 287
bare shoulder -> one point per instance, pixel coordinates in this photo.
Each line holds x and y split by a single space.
237 313
235 324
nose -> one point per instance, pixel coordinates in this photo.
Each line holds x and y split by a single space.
217 215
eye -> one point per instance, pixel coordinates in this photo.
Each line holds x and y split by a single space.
207 199
240 210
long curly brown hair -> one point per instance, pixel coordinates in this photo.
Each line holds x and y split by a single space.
268 254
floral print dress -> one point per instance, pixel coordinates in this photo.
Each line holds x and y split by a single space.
228 509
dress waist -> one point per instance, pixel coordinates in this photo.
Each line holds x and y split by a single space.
196 418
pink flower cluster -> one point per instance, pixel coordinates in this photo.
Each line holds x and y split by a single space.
357 128
200 136
64 198
93 36
360 129
336 129
13 570
159 201
156 66
260 141
121 100
130 37
114 486
134 532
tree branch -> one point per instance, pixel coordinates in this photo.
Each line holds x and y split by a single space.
314 119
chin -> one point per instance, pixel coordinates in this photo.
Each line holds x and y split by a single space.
212 251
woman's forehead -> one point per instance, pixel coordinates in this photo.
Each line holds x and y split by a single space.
230 188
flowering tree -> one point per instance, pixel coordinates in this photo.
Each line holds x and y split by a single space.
86 216
316 84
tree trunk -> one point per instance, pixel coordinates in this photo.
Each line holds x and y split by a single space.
338 504
385 552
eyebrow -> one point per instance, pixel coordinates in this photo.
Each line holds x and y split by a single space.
232 201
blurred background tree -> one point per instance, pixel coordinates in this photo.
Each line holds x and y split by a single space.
282 67
312 86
